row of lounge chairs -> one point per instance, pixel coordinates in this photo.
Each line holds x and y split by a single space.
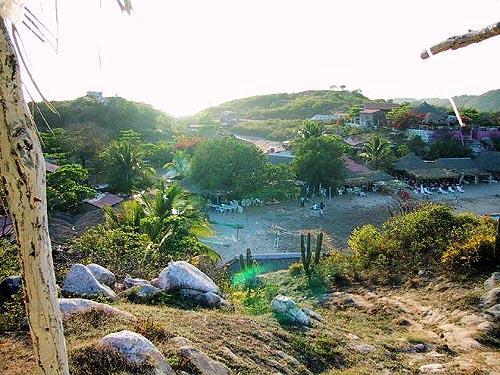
439 190
235 206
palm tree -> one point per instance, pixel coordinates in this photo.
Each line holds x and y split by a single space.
126 167
180 165
311 129
166 216
377 152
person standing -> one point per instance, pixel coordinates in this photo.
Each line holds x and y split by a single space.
322 209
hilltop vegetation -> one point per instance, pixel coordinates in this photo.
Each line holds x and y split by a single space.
290 106
486 102
110 115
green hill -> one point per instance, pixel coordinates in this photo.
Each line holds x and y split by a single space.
112 114
290 106
487 102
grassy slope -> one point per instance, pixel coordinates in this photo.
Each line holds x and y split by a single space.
258 341
290 106
486 102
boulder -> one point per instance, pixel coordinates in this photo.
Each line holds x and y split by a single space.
137 349
313 314
207 299
182 275
129 282
102 274
363 348
493 280
494 310
490 298
141 292
81 282
199 361
286 311
10 286
69 306
155 282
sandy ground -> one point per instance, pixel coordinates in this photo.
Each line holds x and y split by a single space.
277 228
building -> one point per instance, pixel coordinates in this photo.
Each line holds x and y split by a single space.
282 157
358 175
104 199
374 114
430 115
328 118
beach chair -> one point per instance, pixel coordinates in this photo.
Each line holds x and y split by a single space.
440 190
427 191
459 189
450 189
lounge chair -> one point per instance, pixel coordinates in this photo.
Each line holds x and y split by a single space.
442 191
459 189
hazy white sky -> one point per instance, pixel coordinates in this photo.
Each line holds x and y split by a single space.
184 55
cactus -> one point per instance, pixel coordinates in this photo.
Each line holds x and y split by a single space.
306 254
248 262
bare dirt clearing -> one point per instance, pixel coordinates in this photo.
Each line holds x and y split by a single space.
276 228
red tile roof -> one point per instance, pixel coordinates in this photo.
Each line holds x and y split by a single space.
104 199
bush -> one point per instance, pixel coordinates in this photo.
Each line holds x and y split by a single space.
119 250
472 248
430 237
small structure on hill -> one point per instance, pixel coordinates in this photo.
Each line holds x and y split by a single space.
104 199
282 157
358 175
429 114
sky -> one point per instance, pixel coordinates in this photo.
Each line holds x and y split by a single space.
182 56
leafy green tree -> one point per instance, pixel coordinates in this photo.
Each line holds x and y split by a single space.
66 188
56 145
377 152
180 164
157 154
318 161
279 183
228 164
353 111
87 141
448 148
170 217
469 115
126 168
311 129
401 117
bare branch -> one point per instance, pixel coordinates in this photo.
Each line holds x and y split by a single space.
460 41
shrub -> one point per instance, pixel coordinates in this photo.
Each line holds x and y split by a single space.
119 250
431 236
471 248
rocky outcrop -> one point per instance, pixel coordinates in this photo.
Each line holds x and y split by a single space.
81 282
70 306
102 274
182 275
287 312
130 282
491 298
493 280
141 293
202 363
137 349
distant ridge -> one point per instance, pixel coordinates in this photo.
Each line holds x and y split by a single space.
299 105
486 102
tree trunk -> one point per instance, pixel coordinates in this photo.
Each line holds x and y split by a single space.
22 168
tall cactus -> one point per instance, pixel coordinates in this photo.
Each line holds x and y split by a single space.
307 254
248 262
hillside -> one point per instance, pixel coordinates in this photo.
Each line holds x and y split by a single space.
290 106
486 102
111 114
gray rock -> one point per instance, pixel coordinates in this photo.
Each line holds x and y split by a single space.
363 348
494 310
492 297
137 349
313 314
141 292
69 306
208 299
286 310
81 282
102 274
203 364
129 282
155 282
182 275
433 368
420 348
10 286
493 280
